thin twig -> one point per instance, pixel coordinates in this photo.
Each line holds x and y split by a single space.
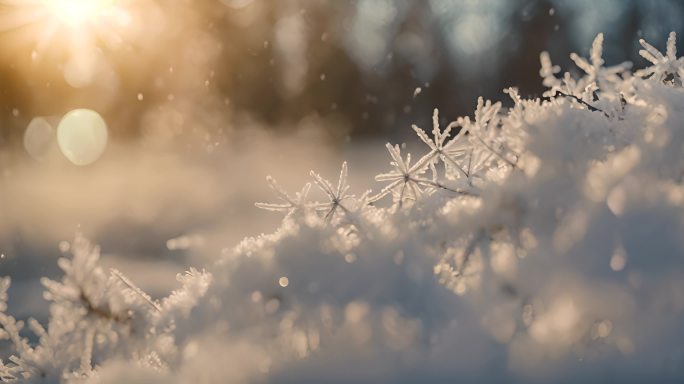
135 289
589 106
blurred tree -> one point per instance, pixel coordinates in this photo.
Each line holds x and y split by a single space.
361 68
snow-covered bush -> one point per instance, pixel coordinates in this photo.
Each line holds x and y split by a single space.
542 242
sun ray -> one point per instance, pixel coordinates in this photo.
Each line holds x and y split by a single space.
68 32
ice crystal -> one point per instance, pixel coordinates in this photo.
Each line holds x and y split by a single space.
290 205
665 67
336 195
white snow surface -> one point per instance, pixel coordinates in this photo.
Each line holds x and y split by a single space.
539 243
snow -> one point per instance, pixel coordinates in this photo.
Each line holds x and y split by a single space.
537 243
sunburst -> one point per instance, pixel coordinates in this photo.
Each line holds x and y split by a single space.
71 30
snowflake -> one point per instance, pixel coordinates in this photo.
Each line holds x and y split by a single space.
583 90
665 67
406 182
594 68
336 195
290 204
484 134
566 85
443 149
548 71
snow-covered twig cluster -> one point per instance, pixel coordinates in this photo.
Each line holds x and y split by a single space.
537 242
95 317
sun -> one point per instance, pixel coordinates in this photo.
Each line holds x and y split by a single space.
59 23
77 13
69 34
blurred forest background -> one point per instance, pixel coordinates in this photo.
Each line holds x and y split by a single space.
352 69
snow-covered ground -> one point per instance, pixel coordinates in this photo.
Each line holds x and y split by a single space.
540 243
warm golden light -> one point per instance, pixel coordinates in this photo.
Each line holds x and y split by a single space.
75 13
65 25
73 34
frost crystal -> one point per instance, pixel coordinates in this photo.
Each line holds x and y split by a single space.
290 204
665 67
93 317
336 195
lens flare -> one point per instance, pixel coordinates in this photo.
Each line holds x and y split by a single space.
82 136
38 137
